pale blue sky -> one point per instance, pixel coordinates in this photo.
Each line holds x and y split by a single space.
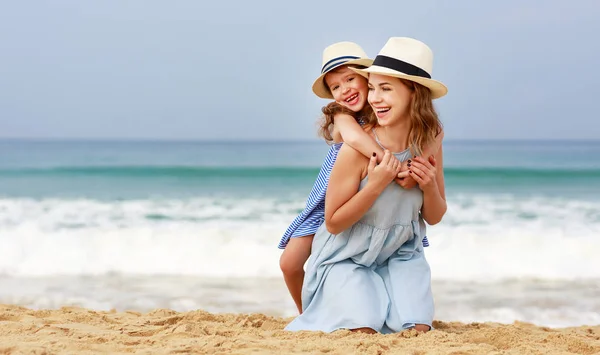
187 69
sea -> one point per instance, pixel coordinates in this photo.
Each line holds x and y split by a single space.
186 225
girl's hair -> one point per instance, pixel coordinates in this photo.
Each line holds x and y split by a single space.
364 116
425 123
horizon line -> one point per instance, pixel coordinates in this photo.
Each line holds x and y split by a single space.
234 140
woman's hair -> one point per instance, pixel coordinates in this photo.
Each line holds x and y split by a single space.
364 116
425 123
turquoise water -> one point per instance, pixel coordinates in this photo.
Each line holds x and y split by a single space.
123 170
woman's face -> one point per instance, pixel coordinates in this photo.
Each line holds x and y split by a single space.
348 88
390 99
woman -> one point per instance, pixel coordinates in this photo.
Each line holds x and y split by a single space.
367 271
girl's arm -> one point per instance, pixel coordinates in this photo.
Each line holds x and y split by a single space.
354 135
344 203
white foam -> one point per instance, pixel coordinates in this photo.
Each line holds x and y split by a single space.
481 238
491 237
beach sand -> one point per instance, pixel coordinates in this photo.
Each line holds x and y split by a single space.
78 330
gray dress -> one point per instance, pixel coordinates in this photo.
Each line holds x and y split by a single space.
374 274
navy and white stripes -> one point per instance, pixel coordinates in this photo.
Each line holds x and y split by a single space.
336 62
313 215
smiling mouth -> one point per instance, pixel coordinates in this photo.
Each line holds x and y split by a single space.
382 110
351 98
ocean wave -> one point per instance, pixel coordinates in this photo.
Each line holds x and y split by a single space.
483 237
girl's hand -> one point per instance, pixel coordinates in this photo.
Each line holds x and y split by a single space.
404 178
381 175
424 172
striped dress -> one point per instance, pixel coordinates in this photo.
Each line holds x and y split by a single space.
313 215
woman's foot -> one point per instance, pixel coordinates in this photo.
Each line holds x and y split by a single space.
422 328
364 330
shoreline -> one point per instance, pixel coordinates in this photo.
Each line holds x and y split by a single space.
72 329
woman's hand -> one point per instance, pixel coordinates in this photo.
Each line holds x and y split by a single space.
424 172
382 175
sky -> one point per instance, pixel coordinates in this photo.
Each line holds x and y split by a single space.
243 70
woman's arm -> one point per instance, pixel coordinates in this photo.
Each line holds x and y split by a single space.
405 179
429 174
344 203
435 147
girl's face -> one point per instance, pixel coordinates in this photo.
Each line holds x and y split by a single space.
348 88
390 99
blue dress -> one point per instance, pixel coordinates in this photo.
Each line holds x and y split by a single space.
313 215
374 274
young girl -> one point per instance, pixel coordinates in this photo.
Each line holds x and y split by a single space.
342 121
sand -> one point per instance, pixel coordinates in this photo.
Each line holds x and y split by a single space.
78 330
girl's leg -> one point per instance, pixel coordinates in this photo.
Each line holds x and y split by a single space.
292 263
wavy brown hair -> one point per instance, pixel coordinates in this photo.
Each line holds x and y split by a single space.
329 111
425 124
